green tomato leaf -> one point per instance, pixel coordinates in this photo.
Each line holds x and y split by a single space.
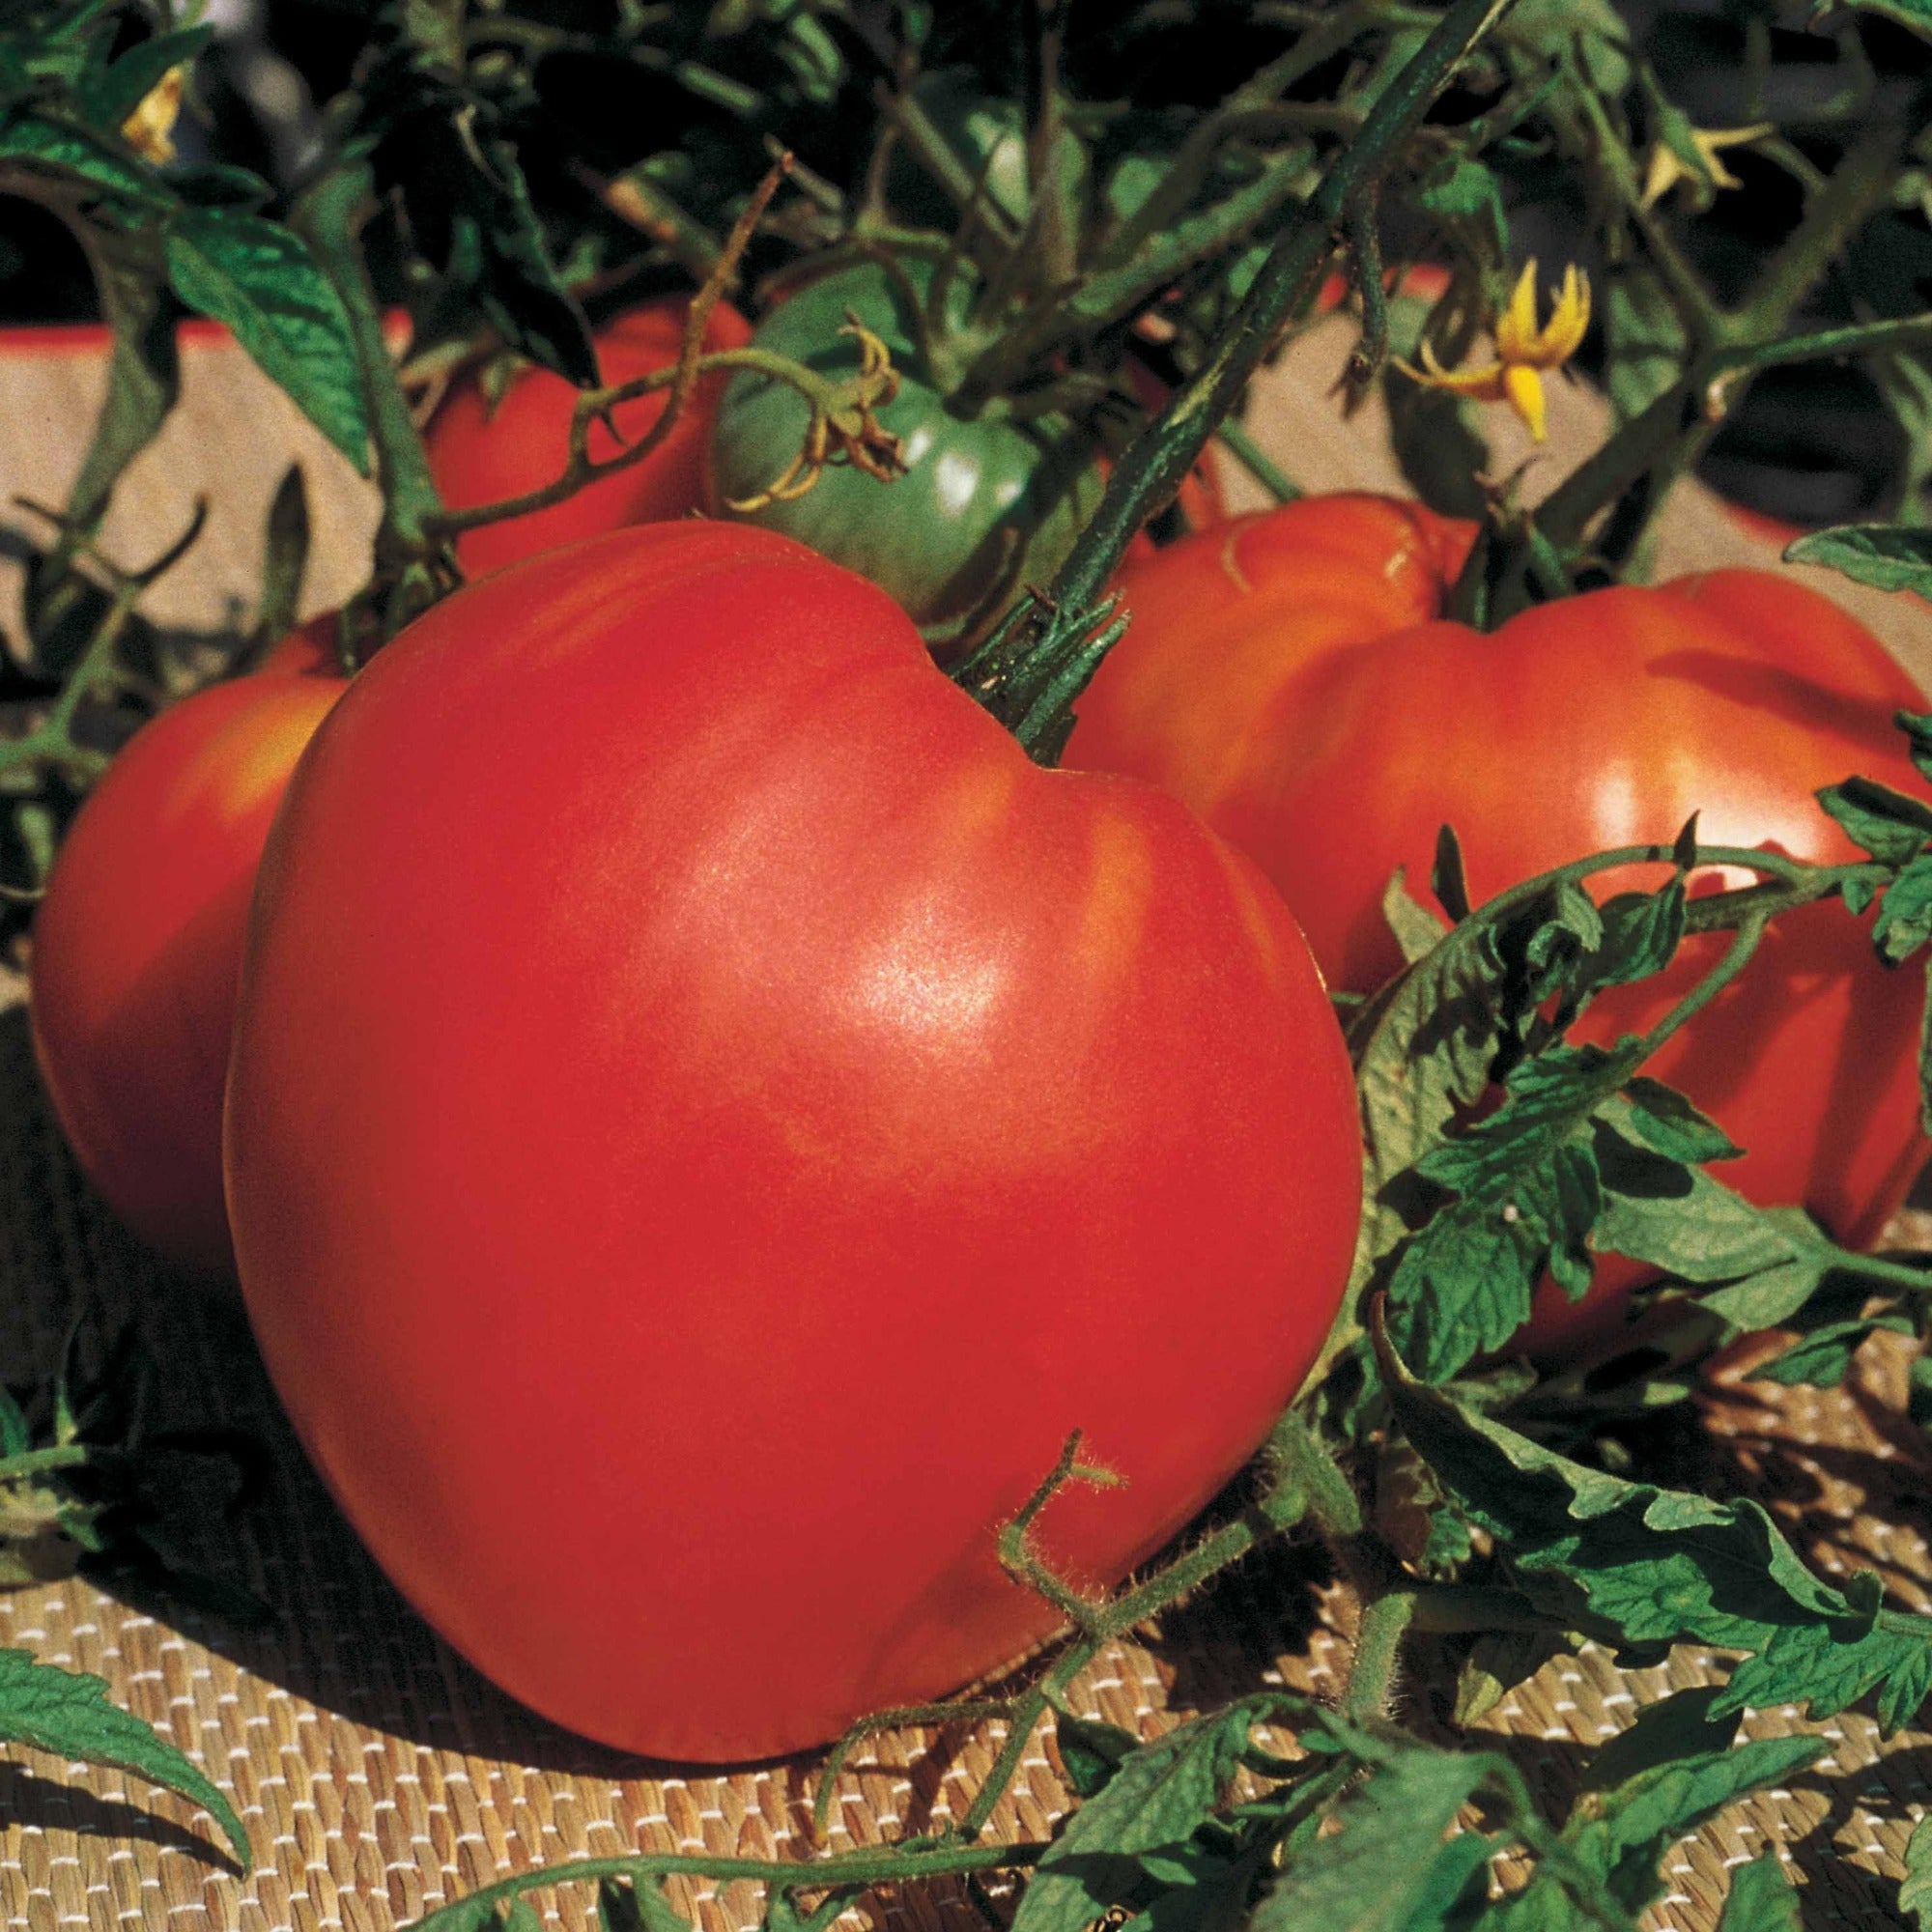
1678 1726
1156 1800
1890 825
1499 1661
107 99
1459 188
67 1713
1417 929
1644 343
72 154
1885 555
625 1906
1762 1899
1664 1119
1091 1753
1822 1359
1626 1838
1640 933
1829 1666
1386 1869
260 280
1914 1893
1904 922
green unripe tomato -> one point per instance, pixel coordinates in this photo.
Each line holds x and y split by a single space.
986 503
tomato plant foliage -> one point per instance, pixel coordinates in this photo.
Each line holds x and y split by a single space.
1078 240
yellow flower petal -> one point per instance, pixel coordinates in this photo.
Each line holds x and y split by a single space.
1515 329
1523 387
150 129
1568 322
1483 383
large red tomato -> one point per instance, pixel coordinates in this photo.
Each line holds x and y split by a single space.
137 948
1285 676
686 1193
478 454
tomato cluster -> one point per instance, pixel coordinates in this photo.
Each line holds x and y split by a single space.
683 1038
1291 677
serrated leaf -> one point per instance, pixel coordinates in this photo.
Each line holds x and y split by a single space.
1665 1121
1157 1798
1885 555
1678 1726
113 94
1644 341
1890 825
1640 934
1375 1872
1499 1661
66 1714
1904 922
1820 1358
1091 1753
1640 1820
1762 1899
1628 1562
1915 1893
259 278
1448 876
72 154
1416 929
1831 1665
639 1906
1461 189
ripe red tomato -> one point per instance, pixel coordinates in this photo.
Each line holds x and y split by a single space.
137 948
686 1196
481 455
1285 677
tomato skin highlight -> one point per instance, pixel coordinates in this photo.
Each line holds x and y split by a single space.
137 948
737 1153
1288 678
479 455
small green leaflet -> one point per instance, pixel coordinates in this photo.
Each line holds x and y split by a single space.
1091 1751
106 100
1761 1899
1157 1798
1639 1566
260 280
1892 826
1887 557
1461 189
1915 1893
641 1907
1623 1838
66 1714
1681 1725
72 154
1385 1865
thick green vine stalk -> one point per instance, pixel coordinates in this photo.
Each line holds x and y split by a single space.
1045 652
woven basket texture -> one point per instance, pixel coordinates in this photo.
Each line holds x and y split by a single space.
379 1777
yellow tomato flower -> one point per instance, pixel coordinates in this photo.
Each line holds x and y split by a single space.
1523 351
150 129
1666 168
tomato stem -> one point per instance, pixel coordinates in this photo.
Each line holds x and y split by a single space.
1035 665
413 566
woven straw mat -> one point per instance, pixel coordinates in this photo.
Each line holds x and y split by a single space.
379 1777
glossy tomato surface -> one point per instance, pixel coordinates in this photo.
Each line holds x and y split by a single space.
137 948
1287 677
986 501
687 1196
479 454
